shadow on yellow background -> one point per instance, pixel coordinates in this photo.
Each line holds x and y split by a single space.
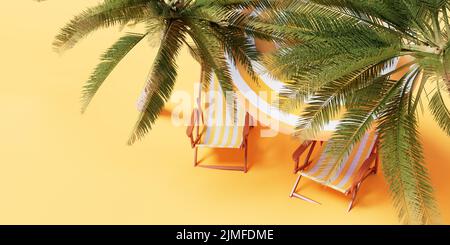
61 167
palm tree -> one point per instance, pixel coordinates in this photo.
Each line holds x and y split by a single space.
344 63
213 30
335 54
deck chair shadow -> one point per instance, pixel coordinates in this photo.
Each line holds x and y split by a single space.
215 124
362 161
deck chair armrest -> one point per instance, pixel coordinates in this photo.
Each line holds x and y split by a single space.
364 169
194 124
366 166
190 128
246 125
299 151
246 130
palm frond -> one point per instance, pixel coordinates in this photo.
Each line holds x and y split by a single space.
319 61
337 63
326 103
361 115
161 81
252 25
206 69
403 163
106 14
240 47
210 49
109 61
440 110
394 13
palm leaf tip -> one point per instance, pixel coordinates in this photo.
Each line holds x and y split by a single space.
404 164
440 111
161 81
106 14
108 61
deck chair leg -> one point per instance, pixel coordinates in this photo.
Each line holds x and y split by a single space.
305 198
377 162
352 202
195 156
293 194
245 156
236 168
295 185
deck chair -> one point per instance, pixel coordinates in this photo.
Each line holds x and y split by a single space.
213 125
360 163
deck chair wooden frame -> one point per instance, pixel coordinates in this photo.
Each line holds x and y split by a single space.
194 132
195 137
368 167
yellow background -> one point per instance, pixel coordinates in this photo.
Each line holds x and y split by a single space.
60 167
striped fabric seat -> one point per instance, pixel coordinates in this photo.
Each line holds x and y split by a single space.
342 179
223 125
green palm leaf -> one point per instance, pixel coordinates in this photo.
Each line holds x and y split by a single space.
218 30
332 52
336 64
440 110
232 40
403 163
161 81
106 14
364 110
210 49
326 103
109 61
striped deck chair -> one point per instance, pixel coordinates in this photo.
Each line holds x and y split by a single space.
216 127
360 163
